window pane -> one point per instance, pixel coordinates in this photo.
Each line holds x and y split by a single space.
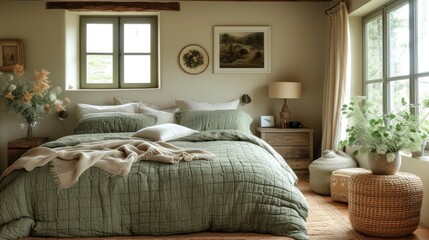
423 36
398 38
99 69
137 38
375 96
424 94
374 51
99 38
137 69
398 90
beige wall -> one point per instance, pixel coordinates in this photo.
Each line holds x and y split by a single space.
298 54
419 167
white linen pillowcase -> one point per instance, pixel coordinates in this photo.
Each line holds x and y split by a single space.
163 116
164 132
119 101
188 105
83 109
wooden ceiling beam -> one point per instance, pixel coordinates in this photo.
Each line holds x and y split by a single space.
259 0
113 6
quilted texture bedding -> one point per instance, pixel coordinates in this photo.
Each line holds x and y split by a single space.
246 188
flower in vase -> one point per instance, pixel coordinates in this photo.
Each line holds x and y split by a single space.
30 97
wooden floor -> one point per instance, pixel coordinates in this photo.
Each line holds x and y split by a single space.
421 233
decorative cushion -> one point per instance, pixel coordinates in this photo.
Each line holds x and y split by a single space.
340 183
188 105
322 168
83 109
215 120
163 116
113 122
164 132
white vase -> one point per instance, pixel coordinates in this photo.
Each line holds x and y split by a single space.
379 165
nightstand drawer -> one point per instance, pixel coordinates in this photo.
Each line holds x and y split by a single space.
14 154
295 145
293 151
16 148
18 144
290 139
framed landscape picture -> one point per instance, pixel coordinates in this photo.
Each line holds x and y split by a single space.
242 49
11 52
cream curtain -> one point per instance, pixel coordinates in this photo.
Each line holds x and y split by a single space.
336 76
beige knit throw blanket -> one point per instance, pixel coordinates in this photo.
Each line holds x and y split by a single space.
114 157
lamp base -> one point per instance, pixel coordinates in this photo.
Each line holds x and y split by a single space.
284 119
284 115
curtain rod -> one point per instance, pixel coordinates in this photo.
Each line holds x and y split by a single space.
329 9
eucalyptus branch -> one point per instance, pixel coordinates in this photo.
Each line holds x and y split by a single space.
392 132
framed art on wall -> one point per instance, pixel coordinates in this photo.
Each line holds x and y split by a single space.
11 52
242 49
193 59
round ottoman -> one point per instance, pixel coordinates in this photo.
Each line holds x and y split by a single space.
320 170
385 205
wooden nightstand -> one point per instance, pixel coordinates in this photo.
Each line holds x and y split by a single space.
294 144
16 148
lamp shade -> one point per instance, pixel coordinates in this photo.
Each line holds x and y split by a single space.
284 90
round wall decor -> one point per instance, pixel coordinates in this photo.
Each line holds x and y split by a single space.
193 59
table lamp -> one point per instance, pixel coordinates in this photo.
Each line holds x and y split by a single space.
284 90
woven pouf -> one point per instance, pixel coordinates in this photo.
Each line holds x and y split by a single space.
385 205
340 183
321 169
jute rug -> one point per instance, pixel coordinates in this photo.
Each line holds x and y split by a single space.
325 221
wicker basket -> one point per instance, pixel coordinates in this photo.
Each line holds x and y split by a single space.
340 183
385 205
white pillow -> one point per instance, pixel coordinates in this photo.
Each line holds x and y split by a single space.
171 110
163 116
164 132
84 109
188 105
119 101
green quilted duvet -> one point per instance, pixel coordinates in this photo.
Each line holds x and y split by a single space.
246 188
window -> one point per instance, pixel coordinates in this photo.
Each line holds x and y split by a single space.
119 52
396 57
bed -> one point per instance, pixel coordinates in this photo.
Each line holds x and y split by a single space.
245 187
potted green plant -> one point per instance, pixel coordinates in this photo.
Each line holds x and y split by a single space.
383 137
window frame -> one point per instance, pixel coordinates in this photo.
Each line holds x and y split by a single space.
386 79
414 75
118 53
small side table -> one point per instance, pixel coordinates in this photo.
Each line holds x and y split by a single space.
295 145
385 205
16 148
